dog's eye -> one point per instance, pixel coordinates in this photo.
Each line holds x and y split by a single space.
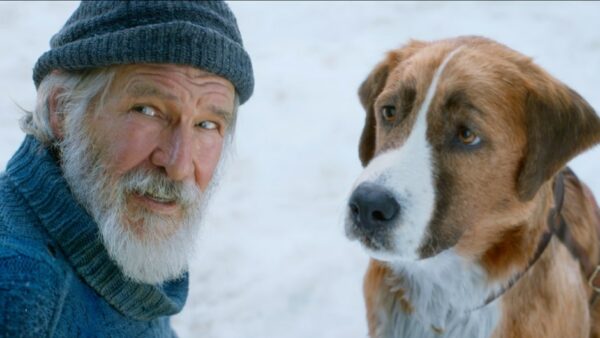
467 136
388 113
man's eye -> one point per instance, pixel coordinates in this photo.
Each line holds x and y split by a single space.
146 110
208 125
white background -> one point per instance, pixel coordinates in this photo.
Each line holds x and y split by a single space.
273 260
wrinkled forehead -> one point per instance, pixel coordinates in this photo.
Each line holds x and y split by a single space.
172 82
189 73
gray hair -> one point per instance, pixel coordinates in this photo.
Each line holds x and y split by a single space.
74 93
77 90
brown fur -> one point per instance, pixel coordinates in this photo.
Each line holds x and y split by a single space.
492 204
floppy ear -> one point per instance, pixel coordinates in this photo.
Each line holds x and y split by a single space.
560 125
372 87
368 92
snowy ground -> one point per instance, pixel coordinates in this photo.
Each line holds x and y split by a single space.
273 260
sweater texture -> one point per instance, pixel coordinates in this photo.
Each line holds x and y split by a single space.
56 278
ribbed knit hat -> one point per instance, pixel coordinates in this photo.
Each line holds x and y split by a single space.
203 34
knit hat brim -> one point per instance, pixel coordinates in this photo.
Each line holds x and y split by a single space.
174 42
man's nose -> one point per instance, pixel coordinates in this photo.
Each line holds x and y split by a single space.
176 155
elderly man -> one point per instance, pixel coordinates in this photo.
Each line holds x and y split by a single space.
100 206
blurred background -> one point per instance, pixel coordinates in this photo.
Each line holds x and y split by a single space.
273 260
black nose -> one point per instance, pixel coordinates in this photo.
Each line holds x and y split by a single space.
373 207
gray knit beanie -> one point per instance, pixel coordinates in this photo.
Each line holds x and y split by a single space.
203 34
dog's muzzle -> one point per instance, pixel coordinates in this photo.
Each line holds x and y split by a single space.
373 208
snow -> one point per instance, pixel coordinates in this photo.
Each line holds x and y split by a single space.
273 260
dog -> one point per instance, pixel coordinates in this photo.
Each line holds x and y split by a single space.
474 225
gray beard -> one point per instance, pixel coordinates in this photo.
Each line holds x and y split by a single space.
153 255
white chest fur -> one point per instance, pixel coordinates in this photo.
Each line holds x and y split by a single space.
446 292
477 324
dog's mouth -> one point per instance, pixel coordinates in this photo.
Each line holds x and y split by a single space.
373 241
385 230
375 245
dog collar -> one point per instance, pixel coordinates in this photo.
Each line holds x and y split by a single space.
554 218
561 230
558 226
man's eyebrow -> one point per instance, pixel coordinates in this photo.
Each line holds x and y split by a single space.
148 90
145 90
225 114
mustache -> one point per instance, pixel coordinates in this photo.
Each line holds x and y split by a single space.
159 186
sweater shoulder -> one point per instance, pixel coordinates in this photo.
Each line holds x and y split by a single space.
32 282
20 230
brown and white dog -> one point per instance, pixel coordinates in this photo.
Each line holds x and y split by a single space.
474 226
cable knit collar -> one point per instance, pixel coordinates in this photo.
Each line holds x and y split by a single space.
39 179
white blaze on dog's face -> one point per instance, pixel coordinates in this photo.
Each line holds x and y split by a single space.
406 173
449 159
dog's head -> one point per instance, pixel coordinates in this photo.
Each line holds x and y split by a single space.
460 137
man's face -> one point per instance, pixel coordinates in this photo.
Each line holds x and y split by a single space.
167 119
144 159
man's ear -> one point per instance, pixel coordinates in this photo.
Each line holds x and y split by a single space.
56 114
560 125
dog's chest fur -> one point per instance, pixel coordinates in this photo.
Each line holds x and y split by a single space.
478 324
437 297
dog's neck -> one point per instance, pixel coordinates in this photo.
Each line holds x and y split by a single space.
555 225
448 295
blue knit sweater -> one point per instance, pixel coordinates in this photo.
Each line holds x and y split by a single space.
56 278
